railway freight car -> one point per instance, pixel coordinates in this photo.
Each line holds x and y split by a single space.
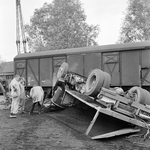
128 64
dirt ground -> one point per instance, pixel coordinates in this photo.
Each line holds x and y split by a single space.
59 130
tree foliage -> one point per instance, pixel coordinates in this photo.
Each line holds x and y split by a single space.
2 64
136 24
59 25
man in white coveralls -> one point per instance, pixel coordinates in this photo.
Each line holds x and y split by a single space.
15 92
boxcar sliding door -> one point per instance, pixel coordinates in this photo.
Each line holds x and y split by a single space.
75 63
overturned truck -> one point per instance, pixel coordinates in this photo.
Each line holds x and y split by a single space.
132 106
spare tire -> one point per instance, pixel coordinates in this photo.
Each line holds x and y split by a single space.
107 80
94 82
63 69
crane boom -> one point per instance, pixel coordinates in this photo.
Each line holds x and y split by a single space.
20 34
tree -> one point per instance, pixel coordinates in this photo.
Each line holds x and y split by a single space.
2 64
60 25
136 24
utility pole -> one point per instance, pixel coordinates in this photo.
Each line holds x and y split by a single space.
20 34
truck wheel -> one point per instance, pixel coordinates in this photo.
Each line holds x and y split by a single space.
94 82
147 96
63 69
107 80
140 94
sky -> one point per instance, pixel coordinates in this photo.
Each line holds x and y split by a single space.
108 14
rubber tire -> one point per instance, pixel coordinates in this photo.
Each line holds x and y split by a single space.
107 80
147 97
142 95
93 88
63 69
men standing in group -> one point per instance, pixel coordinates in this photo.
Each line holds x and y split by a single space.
37 95
15 93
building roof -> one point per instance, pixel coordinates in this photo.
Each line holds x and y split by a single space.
6 67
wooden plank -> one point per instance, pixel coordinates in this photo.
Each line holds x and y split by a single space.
92 123
125 112
116 133
144 117
107 100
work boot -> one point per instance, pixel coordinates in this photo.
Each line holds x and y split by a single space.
12 115
22 112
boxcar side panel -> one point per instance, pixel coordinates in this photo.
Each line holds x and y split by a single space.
32 72
91 61
130 68
46 72
75 63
